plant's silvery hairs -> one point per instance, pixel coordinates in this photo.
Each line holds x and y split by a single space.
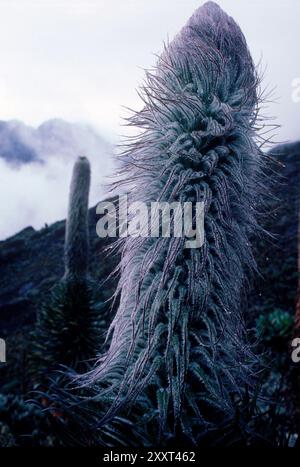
77 237
179 329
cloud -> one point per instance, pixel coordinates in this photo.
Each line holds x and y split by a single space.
36 192
83 60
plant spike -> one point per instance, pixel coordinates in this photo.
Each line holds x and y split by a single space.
179 335
69 324
77 234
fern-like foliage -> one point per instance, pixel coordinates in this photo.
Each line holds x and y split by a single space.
179 350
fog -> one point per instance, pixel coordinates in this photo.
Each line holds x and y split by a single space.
34 189
82 61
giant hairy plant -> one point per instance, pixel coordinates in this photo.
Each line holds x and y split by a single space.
68 324
179 351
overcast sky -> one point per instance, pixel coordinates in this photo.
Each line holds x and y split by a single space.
82 60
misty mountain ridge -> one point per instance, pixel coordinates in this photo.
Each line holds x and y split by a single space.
22 144
35 167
